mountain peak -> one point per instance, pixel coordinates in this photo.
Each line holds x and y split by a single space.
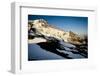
46 29
40 21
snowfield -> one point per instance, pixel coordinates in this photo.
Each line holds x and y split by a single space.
49 52
36 40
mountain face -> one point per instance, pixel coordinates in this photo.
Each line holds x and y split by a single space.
51 42
45 29
42 27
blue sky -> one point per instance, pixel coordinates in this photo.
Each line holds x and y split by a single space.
76 24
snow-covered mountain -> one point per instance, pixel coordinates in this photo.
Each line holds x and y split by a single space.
49 42
41 26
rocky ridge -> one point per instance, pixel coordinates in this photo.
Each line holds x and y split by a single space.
41 27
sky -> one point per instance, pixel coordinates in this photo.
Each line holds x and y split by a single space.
76 24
